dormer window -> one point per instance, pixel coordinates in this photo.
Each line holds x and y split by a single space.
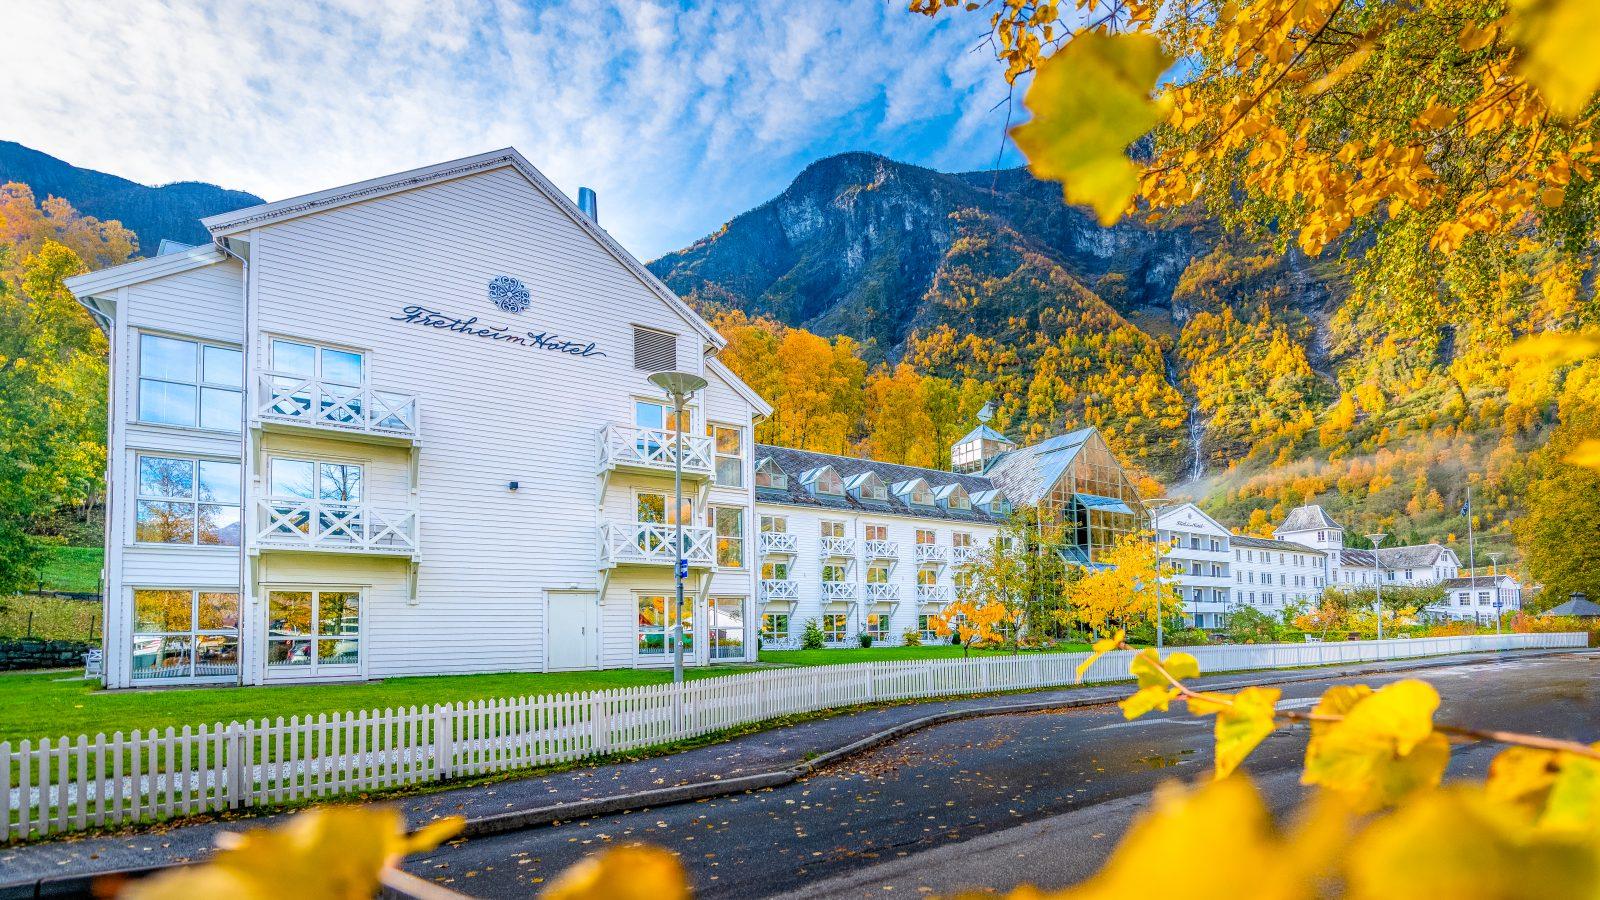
768 475
867 486
827 481
916 492
954 496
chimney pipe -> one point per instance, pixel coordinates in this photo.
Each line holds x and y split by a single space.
588 203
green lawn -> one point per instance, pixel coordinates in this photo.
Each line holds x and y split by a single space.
73 569
51 704
887 654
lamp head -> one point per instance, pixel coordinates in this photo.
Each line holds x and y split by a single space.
678 384
1376 539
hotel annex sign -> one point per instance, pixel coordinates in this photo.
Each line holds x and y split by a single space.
509 295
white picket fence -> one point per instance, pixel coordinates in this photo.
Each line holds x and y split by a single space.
69 784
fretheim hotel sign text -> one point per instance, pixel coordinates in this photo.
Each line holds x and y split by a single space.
512 296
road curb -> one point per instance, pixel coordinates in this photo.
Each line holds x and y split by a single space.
516 820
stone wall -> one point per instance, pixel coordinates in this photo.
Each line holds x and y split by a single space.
37 654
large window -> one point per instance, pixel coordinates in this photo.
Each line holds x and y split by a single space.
313 632
835 627
656 624
187 501
775 626
316 497
727 445
330 377
878 626
828 482
728 524
725 636
189 383
876 532
925 628
925 536
659 416
877 574
654 508
185 634
835 574
928 576
774 525
832 529
775 571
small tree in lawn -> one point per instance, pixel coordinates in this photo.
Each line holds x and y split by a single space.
1017 570
1132 585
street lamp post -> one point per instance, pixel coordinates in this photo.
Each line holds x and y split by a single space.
1377 563
680 386
1153 506
1494 579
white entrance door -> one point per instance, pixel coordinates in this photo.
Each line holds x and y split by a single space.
572 631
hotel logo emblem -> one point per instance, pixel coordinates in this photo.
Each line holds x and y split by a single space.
509 294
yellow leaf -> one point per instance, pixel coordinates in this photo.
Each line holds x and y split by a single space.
1089 102
1574 804
1476 37
1560 41
622 873
1101 648
1242 723
1437 115
1552 197
1145 699
1383 748
1520 773
1587 454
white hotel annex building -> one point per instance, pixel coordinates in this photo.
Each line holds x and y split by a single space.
404 427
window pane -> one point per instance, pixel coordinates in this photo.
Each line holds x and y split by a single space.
295 652
338 652
218 611
652 508
219 482
220 409
730 521
340 482
216 654
648 415
162 610
165 403
652 612
341 367
160 657
164 523
288 612
728 441
161 476
291 358
224 366
291 478
730 471
338 612
218 525
166 358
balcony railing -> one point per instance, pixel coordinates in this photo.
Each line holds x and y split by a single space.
297 400
880 592
963 555
780 589
933 593
651 543
883 550
838 546
334 526
839 590
778 542
932 553
653 450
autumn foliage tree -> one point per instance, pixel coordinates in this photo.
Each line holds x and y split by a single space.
1130 586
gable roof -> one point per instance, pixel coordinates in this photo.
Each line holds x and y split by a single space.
1307 518
1165 514
101 281
1027 473
720 369
984 432
1577 606
1251 542
795 462
227 224
1453 584
1412 557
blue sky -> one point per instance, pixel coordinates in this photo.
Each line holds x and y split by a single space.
681 115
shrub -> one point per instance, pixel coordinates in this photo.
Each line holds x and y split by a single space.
812 637
1187 637
912 638
865 639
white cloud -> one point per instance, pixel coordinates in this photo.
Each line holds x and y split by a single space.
680 115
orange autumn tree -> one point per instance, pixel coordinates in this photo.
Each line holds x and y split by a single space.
1130 585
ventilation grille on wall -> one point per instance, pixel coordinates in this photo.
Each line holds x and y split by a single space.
654 351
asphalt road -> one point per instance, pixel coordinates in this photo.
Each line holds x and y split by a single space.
1037 798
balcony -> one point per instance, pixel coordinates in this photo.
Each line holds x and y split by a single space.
330 526
365 412
778 543
651 544
877 593
653 451
883 550
835 547
932 553
963 555
933 593
779 589
839 590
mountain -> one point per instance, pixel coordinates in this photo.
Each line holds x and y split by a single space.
172 211
1247 377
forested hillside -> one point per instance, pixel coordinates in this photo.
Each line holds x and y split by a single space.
879 304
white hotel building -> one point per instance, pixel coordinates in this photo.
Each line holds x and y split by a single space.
405 427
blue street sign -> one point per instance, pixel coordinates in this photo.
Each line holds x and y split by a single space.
1498 604
683 568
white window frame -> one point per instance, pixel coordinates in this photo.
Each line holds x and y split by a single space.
742 538
314 669
778 478
717 456
193 502
669 608
199 384
193 633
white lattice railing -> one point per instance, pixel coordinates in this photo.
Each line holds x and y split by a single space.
839 590
653 448
962 555
320 404
932 553
652 543
838 546
881 592
330 525
883 550
780 589
57 785
933 593
778 542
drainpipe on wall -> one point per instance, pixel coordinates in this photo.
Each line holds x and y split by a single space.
246 601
